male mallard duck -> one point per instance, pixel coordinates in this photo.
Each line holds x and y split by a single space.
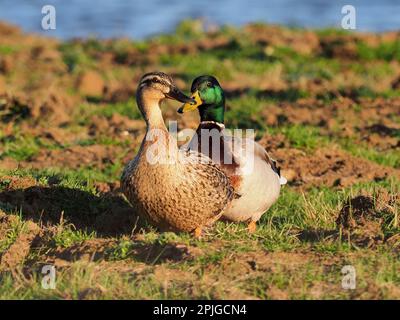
253 175
175 190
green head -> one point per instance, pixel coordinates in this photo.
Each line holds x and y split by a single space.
209 97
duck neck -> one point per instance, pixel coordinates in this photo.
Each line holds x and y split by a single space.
212 113
163 146
151 111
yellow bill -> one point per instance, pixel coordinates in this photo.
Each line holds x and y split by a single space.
191 106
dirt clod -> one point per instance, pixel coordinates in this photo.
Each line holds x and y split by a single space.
18 251
330 167
360 220
90 83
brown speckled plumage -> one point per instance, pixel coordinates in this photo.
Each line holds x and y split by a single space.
188 193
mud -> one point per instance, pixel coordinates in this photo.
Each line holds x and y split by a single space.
88 251
14 256
116 126
362 218
107 214
331 168
76 156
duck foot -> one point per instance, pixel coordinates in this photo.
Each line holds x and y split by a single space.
252 226
198 232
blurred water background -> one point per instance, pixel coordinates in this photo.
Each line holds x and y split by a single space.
141 19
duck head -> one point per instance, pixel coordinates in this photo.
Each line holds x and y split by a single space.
159 86
209 99
153 88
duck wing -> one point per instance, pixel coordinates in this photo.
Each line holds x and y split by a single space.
243 149
210 141
208 180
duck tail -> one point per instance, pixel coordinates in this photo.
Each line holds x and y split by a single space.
282 180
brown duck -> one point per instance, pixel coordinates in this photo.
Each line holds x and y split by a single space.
174 189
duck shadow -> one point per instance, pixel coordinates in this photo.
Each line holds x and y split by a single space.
107 214
148 253
317 235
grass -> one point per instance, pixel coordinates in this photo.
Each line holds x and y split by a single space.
68 236
75 57
87 110
205 64
276 234
304 137
386 51
20 147
15 228
8 50
390 158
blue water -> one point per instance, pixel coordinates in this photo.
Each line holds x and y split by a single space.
141 19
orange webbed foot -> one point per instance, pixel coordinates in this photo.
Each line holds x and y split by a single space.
197 233
252 226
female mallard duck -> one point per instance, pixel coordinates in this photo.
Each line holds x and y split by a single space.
175 190
253 174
